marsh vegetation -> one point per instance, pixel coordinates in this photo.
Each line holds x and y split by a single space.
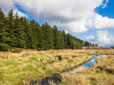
101 73
26 66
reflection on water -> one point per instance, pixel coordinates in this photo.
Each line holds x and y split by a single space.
88 64
56 78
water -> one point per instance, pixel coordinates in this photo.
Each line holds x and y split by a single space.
56 78
88 64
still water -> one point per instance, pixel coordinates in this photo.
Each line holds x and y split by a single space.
88 64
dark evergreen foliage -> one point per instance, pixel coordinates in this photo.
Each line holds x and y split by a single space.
87 44
20 32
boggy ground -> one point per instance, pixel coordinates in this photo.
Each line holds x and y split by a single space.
21 68
101 73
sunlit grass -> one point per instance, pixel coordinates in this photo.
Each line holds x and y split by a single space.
21 68
101 73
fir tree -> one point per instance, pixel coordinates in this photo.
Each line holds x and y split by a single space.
4 35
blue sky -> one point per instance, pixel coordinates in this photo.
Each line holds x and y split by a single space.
108 11
91 20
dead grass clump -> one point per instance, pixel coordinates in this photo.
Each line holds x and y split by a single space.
27 53
109 81
93 77
17 50
5 56
73 79
104 64
110 69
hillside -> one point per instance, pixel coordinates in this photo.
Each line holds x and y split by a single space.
20 32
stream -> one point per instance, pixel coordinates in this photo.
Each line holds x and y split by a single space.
56 78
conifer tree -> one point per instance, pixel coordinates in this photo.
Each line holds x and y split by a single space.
65 39
48 37
21 34
56 37
33 33
4 35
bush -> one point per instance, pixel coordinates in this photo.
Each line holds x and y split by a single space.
4 47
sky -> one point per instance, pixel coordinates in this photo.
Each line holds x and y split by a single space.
89 20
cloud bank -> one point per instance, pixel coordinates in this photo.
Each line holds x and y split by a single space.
99 22
75 16
102 38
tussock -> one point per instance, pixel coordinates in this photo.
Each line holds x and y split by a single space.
21 68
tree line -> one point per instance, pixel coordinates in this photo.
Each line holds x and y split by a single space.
20 32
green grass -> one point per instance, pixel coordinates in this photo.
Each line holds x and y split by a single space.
21 70
5 53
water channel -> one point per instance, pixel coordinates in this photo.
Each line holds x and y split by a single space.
56 78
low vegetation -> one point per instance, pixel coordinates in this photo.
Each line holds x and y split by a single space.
101 73
26 66
21 68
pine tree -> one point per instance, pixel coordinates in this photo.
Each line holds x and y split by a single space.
27 33
11 29
21 34
62 42
4 35
56 37
33 33
14 32
48 37
40 37
65 39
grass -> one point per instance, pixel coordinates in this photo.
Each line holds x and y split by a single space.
32 66
4 52
22 68
101 73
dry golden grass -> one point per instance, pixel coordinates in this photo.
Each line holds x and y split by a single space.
26 53
68 79
101 73
21 68
104 64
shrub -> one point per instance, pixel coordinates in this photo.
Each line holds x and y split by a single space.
4 47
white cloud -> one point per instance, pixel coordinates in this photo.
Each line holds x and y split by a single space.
76 16
20 14
66 32
7 4
102 38
75 26
71 15
99 22
90 37
104 5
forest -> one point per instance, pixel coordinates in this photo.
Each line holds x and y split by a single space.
20 32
